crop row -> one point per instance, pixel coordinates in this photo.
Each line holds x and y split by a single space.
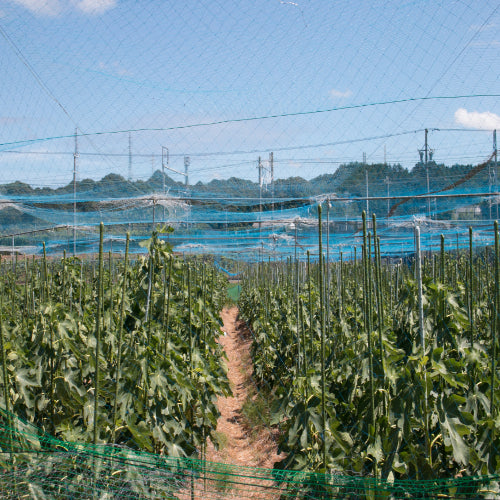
385 368
114 351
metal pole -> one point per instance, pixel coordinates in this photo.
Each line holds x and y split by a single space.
260 197
495 164
271 166
296 224
427 173
490 180
388 182
130 156
419 284
187 162
75 156
163 154
367 201
163 149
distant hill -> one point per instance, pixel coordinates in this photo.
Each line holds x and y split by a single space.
235 194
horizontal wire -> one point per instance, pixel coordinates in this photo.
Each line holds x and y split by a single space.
256 118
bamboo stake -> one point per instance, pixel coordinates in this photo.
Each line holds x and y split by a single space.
98 331
311 334
494 333
167 319
322 354
471 291
367 296
380 313
120 337
418 276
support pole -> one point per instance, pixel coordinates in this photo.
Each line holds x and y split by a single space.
271 167
426 151
418 276
164 154
75 156
260 196
495 164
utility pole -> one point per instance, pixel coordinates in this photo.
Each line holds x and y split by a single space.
75 156
424 158
495 164
187 162
271 167
367 191
259 166
366 182
387 180
130 157
491 175
426 147
164 155
385 155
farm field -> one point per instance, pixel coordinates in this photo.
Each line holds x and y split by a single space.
249 250
113 351
379 370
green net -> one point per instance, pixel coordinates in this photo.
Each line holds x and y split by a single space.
36 465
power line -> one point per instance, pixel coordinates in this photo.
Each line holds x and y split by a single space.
258 118
35 75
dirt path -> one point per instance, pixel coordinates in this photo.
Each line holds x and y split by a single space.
239 445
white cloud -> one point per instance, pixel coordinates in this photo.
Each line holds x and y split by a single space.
95 6
56 7
479 28
473 119
340 94
486 44
8 120
41 7
113 68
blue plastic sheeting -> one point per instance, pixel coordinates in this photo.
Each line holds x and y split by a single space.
218 266
287 240
244 228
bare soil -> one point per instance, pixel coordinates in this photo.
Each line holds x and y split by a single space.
240 445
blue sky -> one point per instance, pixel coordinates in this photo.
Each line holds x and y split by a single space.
114 65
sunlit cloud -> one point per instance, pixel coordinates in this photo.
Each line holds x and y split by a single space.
41 7
473 119
481 28
95 6
339 94
56 7
9 120
484 44
113 68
